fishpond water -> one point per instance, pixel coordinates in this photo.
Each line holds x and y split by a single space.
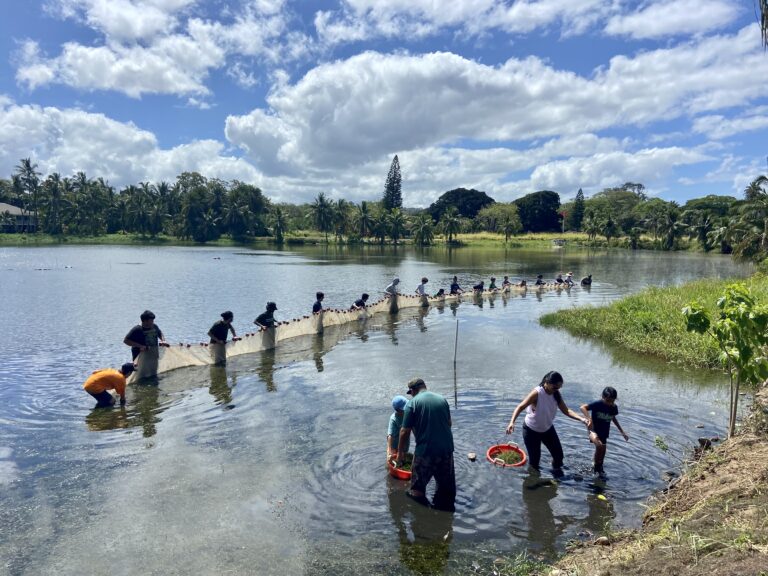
274 464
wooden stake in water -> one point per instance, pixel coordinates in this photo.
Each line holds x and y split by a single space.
455 379
456 344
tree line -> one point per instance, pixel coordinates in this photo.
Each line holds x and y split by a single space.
204 209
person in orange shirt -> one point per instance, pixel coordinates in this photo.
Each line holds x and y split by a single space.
98 384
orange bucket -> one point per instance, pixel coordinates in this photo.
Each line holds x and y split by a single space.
398 473
494 453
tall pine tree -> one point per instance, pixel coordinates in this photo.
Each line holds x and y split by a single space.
576 217
393 196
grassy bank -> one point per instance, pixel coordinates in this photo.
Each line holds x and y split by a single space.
651 323
713 522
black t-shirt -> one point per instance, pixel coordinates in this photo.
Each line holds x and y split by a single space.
266 319
317 306
455 288
219 330
602 416
360 303
148 337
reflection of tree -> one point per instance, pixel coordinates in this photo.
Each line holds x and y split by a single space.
219 388
266 370
542 528
426 547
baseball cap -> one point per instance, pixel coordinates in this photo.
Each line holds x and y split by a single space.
415 384
399 402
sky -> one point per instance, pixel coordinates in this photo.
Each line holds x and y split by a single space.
309 96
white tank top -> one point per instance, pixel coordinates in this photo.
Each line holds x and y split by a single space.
540 418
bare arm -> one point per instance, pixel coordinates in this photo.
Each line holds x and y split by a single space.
615 421
570 413
529 400
585 410
404 433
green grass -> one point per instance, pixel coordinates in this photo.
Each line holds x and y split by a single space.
651 322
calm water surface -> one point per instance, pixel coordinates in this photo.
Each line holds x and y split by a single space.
274 464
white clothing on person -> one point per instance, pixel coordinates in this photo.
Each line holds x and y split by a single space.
420 289
392 288
540 418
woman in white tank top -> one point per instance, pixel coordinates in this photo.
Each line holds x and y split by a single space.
541 405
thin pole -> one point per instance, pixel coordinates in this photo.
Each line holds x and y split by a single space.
455 379
456 343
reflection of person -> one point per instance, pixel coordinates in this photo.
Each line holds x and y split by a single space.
100 382
318 305
267 318
429 416
144 337
219 388
599 516
218 334
541 406
395 424
604 411
425 549
266 370
542 530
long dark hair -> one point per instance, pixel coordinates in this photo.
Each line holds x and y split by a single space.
551 378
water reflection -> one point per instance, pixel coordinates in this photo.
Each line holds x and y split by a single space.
542 530
219 388
424 534
600 513
142 410
266 369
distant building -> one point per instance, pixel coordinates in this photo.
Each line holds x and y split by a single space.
14 219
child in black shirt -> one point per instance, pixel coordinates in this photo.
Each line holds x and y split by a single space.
604 412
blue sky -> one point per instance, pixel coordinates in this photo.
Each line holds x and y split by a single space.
318 96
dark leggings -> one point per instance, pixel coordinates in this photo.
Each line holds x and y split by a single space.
104 399
533 441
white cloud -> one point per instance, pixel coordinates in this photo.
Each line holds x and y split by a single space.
673 17
718 127
67 141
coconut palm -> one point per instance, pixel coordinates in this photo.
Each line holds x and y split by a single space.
29 178
363 219
450 223
341 218
398 224
380 227
423 229
321 211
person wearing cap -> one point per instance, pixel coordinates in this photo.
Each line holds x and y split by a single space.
144 337
100 382
318 305
395 424
391 289
218 333
361 302
569 279
428 415
267 318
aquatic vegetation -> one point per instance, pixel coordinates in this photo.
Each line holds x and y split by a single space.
509 457
650 322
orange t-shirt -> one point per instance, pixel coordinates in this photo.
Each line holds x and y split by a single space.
107 379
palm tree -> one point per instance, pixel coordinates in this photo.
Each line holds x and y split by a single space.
341 218
363 219
279 224
52 202
423 229
29 178
509 226
321 211
397 224
755 188
591 226
450 223
380 227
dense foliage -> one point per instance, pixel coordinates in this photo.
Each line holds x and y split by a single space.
466 202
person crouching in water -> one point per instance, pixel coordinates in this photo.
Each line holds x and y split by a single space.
100 382
395 424
604 411
218 333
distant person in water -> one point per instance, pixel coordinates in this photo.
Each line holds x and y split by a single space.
603 412
522 284
506 284
479 287
144 337
559 279
492 286
361 302
540 280
455 288
587 280
440 293
100 382
318 305
218 334
569 279
391 289
421 289
267 318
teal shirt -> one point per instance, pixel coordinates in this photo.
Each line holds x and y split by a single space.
429 417
395 423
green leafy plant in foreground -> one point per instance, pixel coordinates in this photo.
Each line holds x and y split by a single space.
739 329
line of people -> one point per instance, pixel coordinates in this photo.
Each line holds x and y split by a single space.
427 415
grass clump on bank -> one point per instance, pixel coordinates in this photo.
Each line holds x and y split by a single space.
651 322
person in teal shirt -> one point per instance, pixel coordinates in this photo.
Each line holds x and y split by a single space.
395 424
429 417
